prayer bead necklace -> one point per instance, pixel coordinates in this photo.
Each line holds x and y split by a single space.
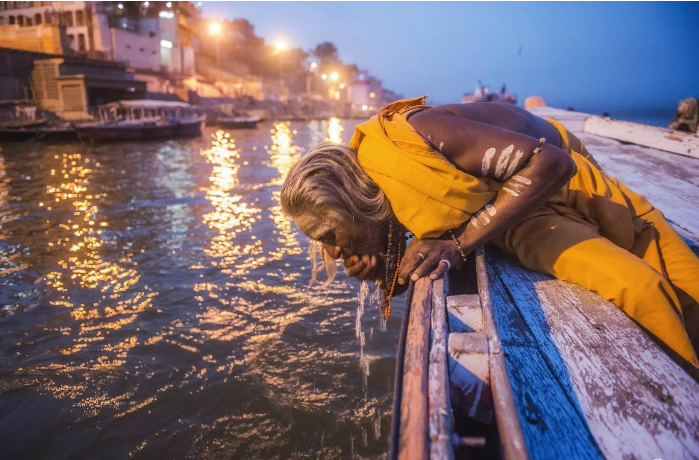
392 263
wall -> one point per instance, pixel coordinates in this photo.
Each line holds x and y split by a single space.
43 38
138 51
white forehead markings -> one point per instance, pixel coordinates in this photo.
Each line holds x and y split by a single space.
502 161
514 163
510 191
490 209
522 179
487 158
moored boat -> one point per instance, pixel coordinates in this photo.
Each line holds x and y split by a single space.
243 122
143 120
227 116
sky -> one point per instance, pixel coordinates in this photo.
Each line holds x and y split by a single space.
590 56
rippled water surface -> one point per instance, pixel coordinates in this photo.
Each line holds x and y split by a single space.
155 305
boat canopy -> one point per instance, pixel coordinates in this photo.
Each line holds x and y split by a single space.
148 104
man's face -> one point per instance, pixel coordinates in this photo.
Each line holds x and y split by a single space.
343 237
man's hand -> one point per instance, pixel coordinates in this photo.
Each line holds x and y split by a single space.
363 267
427 257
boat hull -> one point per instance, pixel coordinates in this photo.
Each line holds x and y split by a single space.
115 133
37 133
235 124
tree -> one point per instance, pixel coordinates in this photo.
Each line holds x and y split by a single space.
326 52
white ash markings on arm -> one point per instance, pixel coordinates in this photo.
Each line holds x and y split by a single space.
511 192
522 179
503 160
490 209
487 158
514 163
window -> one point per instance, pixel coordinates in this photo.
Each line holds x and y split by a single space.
151 34
67 18
142 50
47 18
12 20
2 20
128 47
20 20
81 42
79 18
29 21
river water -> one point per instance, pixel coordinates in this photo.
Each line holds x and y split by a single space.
155 304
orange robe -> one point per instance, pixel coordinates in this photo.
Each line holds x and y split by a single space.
594 231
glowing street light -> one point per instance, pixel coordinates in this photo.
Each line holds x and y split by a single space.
215 29
280 46
334 76
169 4
314 65
324 76
372 95
342 86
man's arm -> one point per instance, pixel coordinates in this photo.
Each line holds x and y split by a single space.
529 179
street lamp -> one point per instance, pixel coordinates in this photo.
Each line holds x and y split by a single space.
279 48
334 76
215 29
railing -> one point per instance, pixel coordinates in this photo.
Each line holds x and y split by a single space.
449 352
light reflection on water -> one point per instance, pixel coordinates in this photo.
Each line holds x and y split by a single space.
155 305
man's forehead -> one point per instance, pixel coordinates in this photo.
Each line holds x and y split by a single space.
313 226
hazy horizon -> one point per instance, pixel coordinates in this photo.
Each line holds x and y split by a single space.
590 56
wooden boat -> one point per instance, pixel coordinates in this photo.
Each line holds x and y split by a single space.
227 116
502 362
142 120
62 132
242 122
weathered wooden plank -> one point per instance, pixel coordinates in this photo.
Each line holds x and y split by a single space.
552 426
650 136
413 432
398 379
637 402
465 313
511 437
671 173
440 417
511 327
574 121
469 372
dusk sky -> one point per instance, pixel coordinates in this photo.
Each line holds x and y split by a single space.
590 56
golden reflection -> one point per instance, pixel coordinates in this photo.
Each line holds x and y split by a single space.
283 154
99 293
9 259
231 215
335 130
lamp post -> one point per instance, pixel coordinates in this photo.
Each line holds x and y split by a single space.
279 48
215 29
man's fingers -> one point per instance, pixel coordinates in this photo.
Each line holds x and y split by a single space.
369 268
441 269
409 263
425 267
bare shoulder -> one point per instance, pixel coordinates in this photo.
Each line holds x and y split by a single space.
504 116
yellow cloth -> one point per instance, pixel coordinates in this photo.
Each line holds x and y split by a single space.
597 233
428 194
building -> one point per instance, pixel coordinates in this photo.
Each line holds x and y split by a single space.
42 38
69 87
155 36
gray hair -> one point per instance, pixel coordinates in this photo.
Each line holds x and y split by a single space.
329 180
